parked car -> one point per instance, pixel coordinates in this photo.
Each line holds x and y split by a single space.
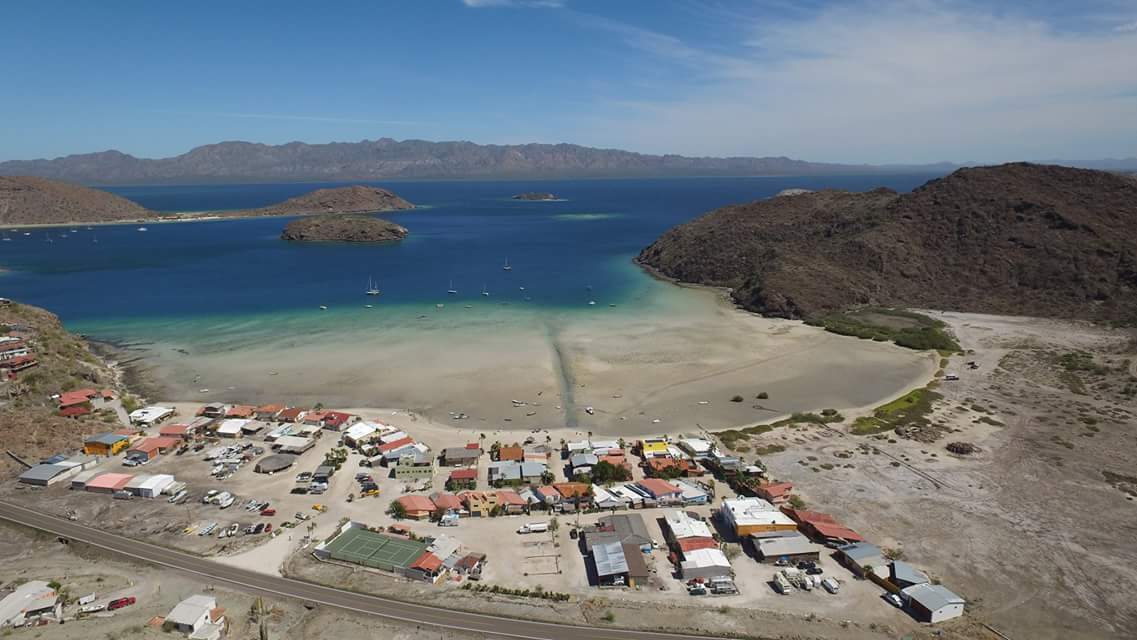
259 528
120 603
268 512
894 600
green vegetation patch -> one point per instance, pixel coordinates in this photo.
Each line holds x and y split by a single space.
905 328
910 409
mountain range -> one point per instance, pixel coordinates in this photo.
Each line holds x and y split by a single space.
411 159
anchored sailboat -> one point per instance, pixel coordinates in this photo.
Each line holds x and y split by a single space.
372 287
507 267
452 290
485 291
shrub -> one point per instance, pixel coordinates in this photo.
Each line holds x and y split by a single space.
763 396
736 399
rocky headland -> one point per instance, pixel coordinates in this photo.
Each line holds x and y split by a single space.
343 228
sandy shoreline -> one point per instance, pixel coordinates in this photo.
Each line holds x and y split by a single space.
674 366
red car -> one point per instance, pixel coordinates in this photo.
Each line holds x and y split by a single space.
120 603
268 528
268 512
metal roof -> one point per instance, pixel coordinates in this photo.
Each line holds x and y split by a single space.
42 472
609 559
275 462
786 546
858 551
905 572
931 596
629 527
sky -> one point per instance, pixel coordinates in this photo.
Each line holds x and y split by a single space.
857 81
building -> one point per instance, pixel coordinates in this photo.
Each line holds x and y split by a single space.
241 411
31 599
232 427
108 482
291 414
146 486
690 492
267 412
417 507
904 575
823 527
394 446
359 433
548 495
197 616
79 480
654 447
511 502
671 468
43 475
293 444
213 410
704 563
338 420
512 471
150 448
414 465
754 515
612 565
427 567
582 463
605 499
791 548
863 558
932 602
514 453
17 364
660 491
179 431
461 456
571 491
275 463
88 398
776 493
462 479
680 525
479 503
605 447
542 453
14 349
447 502
105 444
696 447
149 416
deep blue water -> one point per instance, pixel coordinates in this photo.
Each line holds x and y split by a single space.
464 233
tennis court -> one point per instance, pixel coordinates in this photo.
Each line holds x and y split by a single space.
377 550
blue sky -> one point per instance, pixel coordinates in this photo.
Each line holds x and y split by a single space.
858 81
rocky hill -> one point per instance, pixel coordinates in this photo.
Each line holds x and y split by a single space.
1019 238
386 158
353 199
329 228
28 200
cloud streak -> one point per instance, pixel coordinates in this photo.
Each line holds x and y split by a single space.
513 4
895 82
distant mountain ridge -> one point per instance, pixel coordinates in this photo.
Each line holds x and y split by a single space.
411 159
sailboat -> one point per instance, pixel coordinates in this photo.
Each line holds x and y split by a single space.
507 267
485 291
372 287
452 290
94 237
6 238
48 237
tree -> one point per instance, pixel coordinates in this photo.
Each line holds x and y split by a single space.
547 477
397 510
604 472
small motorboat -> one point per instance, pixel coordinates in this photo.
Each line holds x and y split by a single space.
452 290
485 291
323 307
142 228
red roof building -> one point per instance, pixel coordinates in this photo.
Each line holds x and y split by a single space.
174 431
510 498
464 475
74 411
315 417
241 411
291 414
78 396
775 492
686 545
428 563
338 419
659 489
19 363
511 453
448 501
395 444
659 466
417 507
569 490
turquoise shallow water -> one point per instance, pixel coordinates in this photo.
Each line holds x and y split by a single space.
233 282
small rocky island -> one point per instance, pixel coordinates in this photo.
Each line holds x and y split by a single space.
534 195
343 228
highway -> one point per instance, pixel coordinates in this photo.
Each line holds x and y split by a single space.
275 586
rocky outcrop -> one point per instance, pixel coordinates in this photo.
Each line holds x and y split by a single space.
353 199
27 200
1019 239
534 195
330 228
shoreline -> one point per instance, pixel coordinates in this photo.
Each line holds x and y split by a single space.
193 216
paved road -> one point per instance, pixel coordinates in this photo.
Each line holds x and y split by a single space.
270 585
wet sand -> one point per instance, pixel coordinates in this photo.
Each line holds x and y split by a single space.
670 362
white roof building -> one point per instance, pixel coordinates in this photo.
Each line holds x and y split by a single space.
150 415
232 427
692 493
933 602
630 496
392 436
193 614
32 597
741 513
149 486
579 446
696 446
605 499
293 444
704 563
602 447
359 432
684 526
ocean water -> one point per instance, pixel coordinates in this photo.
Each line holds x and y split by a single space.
230 281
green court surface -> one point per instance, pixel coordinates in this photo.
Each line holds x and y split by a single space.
371 549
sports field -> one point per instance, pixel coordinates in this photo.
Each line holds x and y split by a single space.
371 549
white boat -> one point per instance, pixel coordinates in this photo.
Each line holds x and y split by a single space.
591 303
372 287
520 288
367 306
452 290
142 228
323 307
485 291
507 267
225 500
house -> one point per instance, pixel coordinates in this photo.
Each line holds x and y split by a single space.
394 445
195 615
686 533
548 495
293 444
512 471
904 575
414 465
108 482
291 414
792 548
570 491
696 447
514 453
822 527
542 453
617 460
579 446
43 475
480 503
214 410
631 497
387 435
704 563
461 456
89 398
627 528
604 447
267 412
612 564
447 502
671 468
582 463
11 349
232 427
30 599
660 490
240 411
149 416
105 444
754 515
150 448
417 507
178 431
863 558
338 420
359 433
426 567
470 565
691 493
462 479
932 602
511 502
776 493
654 447
604 499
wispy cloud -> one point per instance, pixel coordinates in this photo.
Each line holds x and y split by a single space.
516 4
895 81
1128 27
283 116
